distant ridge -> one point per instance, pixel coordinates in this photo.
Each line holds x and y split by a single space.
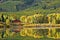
21 5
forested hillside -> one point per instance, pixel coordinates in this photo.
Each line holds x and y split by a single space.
30 6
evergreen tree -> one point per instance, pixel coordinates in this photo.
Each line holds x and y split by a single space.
2 18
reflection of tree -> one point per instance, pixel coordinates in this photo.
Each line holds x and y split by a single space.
43 32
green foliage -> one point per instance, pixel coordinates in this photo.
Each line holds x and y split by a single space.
31 5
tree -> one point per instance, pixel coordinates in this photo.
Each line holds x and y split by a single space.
17 7
54 7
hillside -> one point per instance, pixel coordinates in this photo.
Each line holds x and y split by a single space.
30 6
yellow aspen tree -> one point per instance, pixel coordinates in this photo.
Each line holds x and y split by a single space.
30 19
23 19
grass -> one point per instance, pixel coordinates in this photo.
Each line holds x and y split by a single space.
18 37
27 38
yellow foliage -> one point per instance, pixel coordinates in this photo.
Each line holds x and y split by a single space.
58 16
36 36
7 22
36 15
11 18
29 19
5 16
23 32
29 32
5 35
12 34
8 31
23 19
26 32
